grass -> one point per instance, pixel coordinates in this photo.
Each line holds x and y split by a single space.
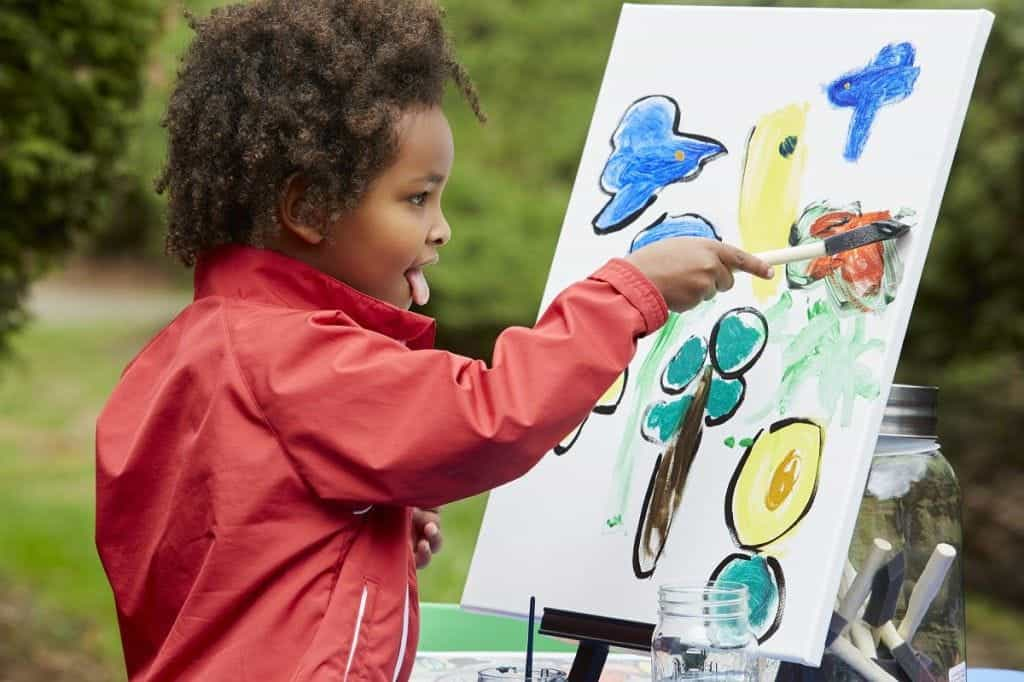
50 394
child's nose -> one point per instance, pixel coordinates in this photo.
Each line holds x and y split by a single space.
441 233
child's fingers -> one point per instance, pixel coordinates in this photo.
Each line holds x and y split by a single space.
423 554
738 259
432 531
723 279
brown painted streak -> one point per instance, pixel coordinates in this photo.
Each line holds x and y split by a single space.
675 466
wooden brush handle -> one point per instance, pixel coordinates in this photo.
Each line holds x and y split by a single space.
793 253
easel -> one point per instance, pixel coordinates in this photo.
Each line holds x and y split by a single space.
595 635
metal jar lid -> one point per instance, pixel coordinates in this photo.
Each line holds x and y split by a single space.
911 412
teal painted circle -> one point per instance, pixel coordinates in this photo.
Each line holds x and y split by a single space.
763 591
685 365
723 398
737 340
662 419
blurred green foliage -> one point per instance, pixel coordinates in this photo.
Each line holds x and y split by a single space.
69 82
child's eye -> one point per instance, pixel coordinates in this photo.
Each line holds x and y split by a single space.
419 199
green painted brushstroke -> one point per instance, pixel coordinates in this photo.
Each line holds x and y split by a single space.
686 363
763 594
820 350
663 419
729 442
623 472
740 336
823 350
723 396
776 315
746 442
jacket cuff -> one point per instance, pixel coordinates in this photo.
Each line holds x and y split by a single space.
627 279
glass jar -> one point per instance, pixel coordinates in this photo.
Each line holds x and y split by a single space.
912 500
703 633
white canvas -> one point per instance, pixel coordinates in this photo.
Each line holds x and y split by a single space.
567 532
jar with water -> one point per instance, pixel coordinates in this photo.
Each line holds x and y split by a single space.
703 633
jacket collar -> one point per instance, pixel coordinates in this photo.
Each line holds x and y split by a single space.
269 277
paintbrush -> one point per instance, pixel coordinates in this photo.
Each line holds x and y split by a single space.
878 231
927 586
528 673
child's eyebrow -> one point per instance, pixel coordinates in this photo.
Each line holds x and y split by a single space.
430 177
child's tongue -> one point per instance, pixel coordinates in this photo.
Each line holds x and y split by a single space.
418 285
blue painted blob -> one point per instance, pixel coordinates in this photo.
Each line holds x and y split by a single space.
890 77
763 592
648 153
685 225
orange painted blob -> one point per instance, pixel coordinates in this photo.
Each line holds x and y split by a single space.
862 268
783 481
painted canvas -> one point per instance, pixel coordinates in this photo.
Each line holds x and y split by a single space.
737 444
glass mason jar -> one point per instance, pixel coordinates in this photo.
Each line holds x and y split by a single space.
912 500
703 633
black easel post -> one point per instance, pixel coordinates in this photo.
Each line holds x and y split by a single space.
595 634
589 661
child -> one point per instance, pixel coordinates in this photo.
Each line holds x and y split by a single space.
267 463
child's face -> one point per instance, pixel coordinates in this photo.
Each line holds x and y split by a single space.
381 247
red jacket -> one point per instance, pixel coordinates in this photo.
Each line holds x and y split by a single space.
257 459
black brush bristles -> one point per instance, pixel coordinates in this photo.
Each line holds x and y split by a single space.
877 231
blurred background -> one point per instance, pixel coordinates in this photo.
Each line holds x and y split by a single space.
84 282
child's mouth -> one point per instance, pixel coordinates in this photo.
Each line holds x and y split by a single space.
418 286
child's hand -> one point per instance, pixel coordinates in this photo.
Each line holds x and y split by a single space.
688 270
426 534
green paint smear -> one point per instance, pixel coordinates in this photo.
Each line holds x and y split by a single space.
746 442
723 396
825 351
663 418
763 594
822 351
776 315
729 442
623 472
685 365
738 340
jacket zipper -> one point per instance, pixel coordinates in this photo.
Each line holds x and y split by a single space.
355 635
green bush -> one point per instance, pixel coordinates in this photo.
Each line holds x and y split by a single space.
69 77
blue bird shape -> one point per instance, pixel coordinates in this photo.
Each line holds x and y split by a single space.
889 78
648 153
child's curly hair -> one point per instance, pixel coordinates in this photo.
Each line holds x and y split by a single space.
278 87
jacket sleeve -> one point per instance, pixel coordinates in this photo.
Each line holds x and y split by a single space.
366 420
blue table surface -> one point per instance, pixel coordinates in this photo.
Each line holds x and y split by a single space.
994 675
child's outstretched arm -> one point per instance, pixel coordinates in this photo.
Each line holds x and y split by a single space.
366 420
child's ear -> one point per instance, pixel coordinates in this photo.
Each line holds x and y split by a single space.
294 215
